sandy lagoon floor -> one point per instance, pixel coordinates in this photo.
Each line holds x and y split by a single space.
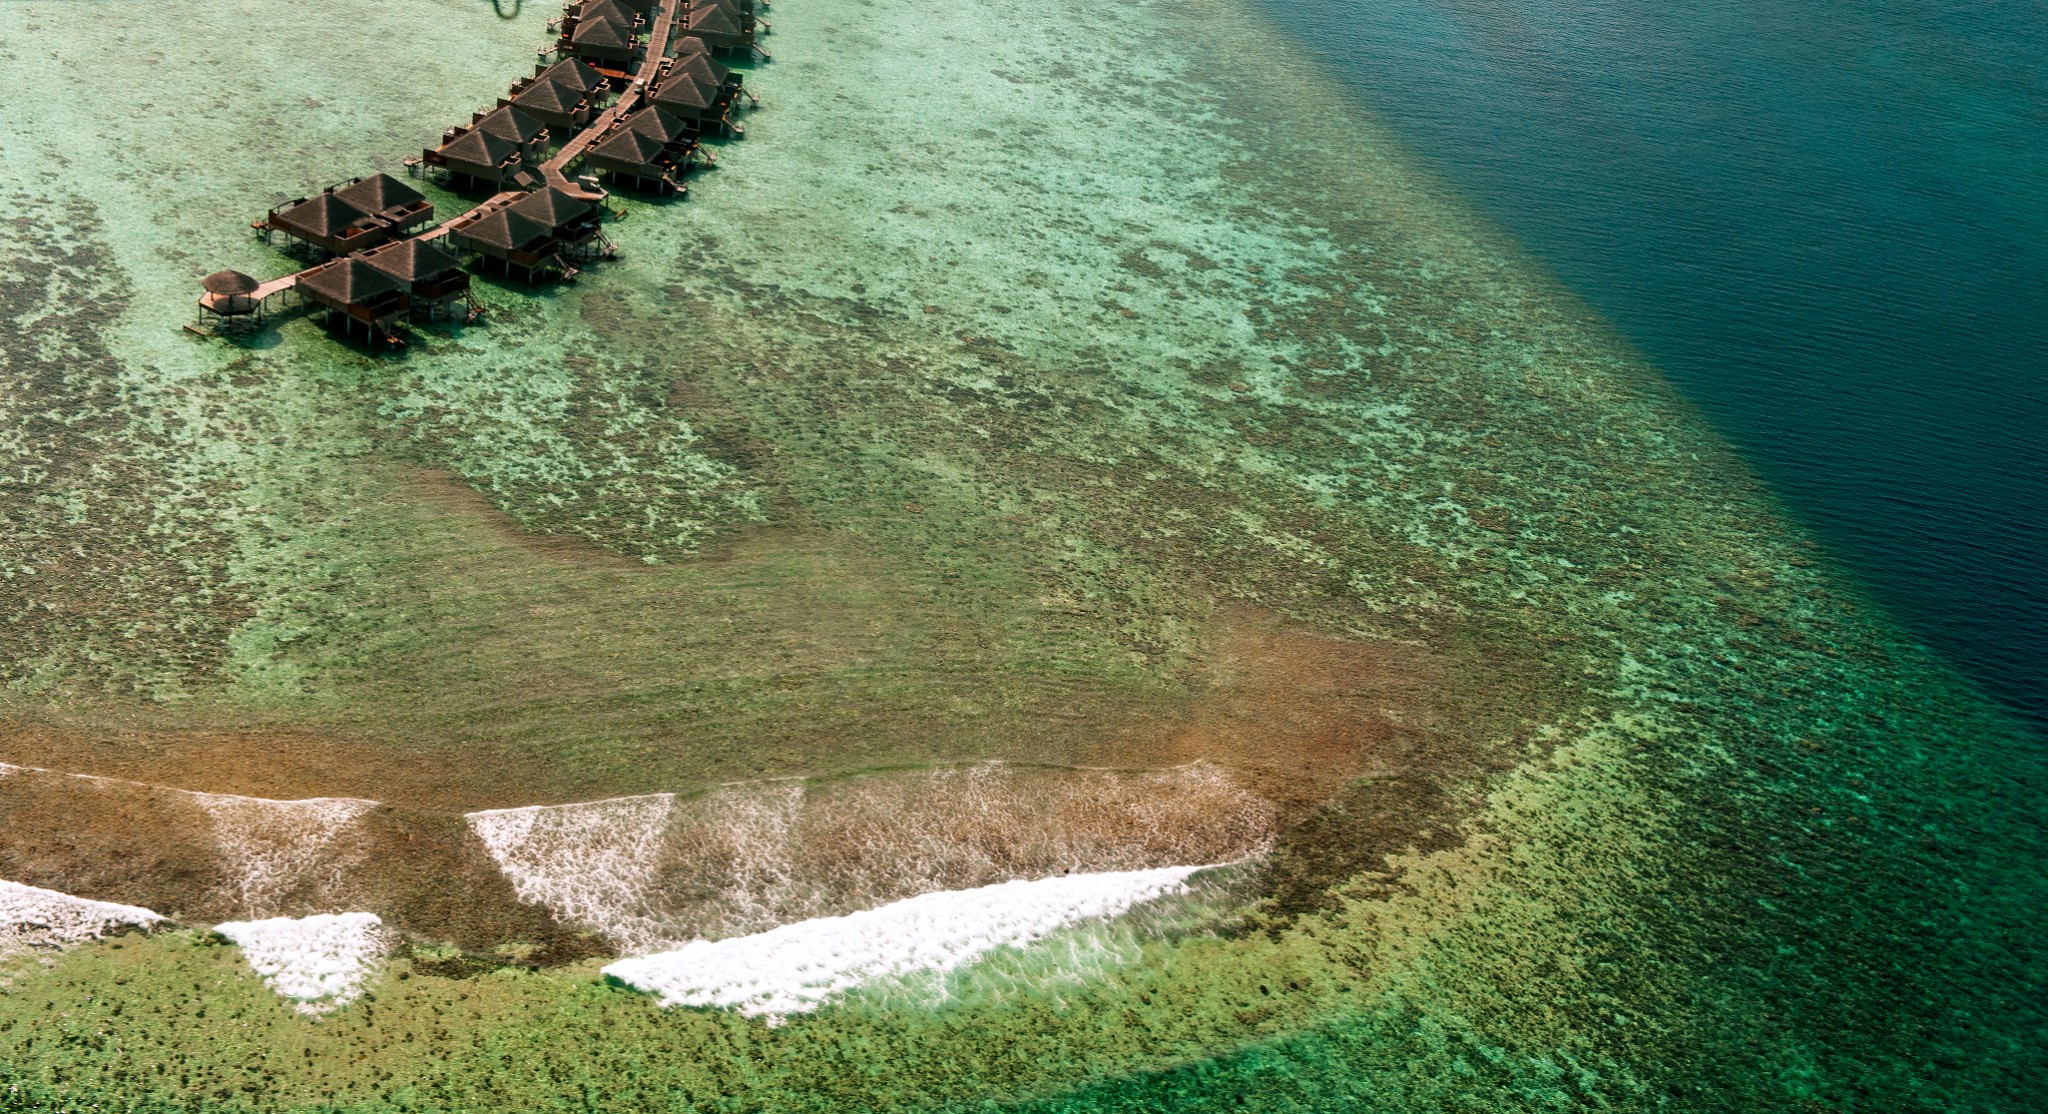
1117 409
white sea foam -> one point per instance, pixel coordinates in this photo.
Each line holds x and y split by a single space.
33 918
275 845
320 962
650 872
798 967
593 864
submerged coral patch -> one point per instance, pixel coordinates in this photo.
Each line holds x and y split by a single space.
798 967
320 962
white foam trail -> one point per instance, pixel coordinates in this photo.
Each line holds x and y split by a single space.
797 967
273 845
7 768
33 918
320 962
592 864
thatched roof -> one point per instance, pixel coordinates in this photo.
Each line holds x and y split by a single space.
610 10
698 66
711 19
552 206
571 73
627 146
411 261
684 97
602 33
480 147
228 282
507 231
546 96
507 122
324 215
379 193
659 123
350 281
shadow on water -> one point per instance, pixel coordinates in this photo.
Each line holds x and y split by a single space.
506 11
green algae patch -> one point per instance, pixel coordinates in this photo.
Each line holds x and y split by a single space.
1042 409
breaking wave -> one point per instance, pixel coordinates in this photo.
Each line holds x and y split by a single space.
36 919
650 872
319 962
593 864
799 967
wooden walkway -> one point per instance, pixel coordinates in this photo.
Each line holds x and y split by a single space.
553 169
650 65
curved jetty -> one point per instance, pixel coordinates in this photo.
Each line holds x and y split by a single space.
387 262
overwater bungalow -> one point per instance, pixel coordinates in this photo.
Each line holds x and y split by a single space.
693 61
561 107
332 224
638 158
570 73
697 89
530 132
401 207
512 244
625 15
665 126
357 296
432 278
718 25
475 158
605 45
571 220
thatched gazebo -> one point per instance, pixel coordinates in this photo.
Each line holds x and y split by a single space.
718 26
608 10
698 89
573 74
230 295
570 220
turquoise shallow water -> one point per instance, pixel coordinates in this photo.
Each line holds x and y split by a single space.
1828 222
983 404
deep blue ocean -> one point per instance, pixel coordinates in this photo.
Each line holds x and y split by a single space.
1826 220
